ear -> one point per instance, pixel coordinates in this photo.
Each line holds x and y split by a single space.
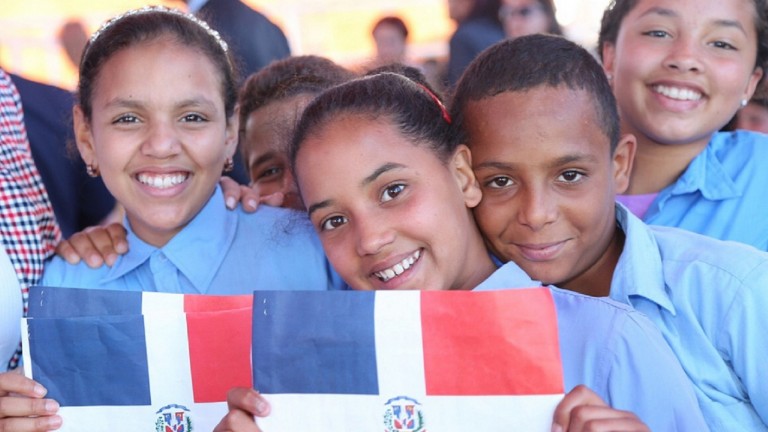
754 80
84 137
609 57
231 134
461 163
623 158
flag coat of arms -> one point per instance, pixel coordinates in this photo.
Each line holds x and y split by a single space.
367 361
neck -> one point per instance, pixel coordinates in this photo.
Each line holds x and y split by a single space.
479 265
596 281
657 165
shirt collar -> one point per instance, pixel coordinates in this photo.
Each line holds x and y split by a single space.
509 275
639 271
206 239
707 174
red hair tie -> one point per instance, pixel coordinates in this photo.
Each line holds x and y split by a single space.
446 116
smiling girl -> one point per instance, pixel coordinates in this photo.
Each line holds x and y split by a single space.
156 119
680 71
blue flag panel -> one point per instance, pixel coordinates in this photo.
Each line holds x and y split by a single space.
319 342
71 371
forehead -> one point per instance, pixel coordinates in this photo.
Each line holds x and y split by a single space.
152 62
742 12
543 114
270 127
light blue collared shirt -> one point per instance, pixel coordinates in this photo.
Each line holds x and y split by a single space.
218 252
618 353
709 298
722 193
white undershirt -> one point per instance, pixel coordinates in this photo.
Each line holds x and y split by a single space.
11 307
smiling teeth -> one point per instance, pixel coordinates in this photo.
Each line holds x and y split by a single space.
399 268
161 181
677 93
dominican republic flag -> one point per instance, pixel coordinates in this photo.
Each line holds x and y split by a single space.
407 361
132 361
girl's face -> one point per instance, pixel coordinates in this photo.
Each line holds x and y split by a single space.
391 214
268 131
158 134
681 68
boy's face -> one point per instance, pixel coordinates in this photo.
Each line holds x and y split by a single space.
548 180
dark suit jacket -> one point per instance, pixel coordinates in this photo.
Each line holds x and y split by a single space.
78 201
254 39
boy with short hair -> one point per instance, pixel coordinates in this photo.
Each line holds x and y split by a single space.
541 121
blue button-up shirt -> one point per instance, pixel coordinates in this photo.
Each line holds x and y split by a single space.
709 298
218 252
722 193
618 353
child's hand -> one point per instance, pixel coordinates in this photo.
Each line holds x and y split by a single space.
244 403
22 407
582 410
96 245
248 196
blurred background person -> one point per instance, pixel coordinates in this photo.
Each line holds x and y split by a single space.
390 34
477 27
524 17
72 37
754 116
254 39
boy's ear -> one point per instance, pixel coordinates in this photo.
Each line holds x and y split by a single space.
461 163
83 137
609 55
754 80
623 158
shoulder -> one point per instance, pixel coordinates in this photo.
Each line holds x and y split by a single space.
60 273
602 323
740 148
696 252
276 226
481 32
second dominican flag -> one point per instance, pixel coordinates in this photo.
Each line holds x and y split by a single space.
411 361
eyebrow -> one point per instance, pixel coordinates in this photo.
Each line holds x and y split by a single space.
132 103
563 160
314 207
671 13
366 181
389 166
263 158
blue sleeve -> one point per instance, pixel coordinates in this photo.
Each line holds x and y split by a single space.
742 340
645 377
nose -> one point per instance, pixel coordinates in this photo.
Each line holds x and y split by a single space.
373 235
684 55
161 140
537 209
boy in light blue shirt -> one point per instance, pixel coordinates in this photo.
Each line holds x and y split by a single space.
542 124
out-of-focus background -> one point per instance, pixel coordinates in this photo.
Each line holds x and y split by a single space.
338 29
